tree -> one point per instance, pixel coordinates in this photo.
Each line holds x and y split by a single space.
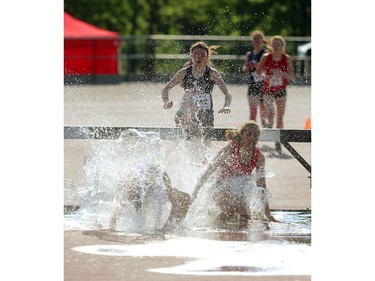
195 17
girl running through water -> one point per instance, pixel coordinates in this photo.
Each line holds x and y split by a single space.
196 108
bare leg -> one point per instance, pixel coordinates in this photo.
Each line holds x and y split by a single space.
267 212
280 111
253 101
179 119
222 197
263 114
270 109
191 118
244 211
113 222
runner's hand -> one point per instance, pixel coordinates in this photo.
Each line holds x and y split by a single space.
168 104
225 110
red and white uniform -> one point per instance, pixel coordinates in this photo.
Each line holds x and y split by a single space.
233 166
275 71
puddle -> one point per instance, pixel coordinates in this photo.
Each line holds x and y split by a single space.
215 257
280 249
125 202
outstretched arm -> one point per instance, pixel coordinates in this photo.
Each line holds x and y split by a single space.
218 161
216 77
180 202
261 182
246 65
177 79
260 169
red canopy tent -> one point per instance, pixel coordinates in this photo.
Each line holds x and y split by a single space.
89 50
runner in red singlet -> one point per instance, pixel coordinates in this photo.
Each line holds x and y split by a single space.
277 69
238 158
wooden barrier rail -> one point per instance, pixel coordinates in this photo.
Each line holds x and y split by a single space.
284 136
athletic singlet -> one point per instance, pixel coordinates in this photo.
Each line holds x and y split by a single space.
234 167
254 59
202 88
275 69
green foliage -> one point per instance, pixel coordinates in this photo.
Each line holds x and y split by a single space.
196 17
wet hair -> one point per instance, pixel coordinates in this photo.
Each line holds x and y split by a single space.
236 134
200 45
278 37
210 50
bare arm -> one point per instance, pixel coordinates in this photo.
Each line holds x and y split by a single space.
261 182
260 66
177 79
218 161
261 169
290 68
216 77
246 65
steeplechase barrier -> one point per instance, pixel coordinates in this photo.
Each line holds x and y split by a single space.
284 136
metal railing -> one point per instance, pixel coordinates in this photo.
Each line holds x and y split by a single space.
158 57
285 137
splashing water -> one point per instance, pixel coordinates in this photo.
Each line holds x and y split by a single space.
124 177
125 189
203 215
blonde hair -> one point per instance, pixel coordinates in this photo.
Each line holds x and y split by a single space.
236 134
278 37
261 34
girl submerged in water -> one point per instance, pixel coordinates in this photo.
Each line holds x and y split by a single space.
154 184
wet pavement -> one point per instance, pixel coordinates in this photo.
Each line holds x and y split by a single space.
281 252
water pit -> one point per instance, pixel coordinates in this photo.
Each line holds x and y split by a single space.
113 168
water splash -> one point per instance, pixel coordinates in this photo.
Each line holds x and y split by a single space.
125 189
203 215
